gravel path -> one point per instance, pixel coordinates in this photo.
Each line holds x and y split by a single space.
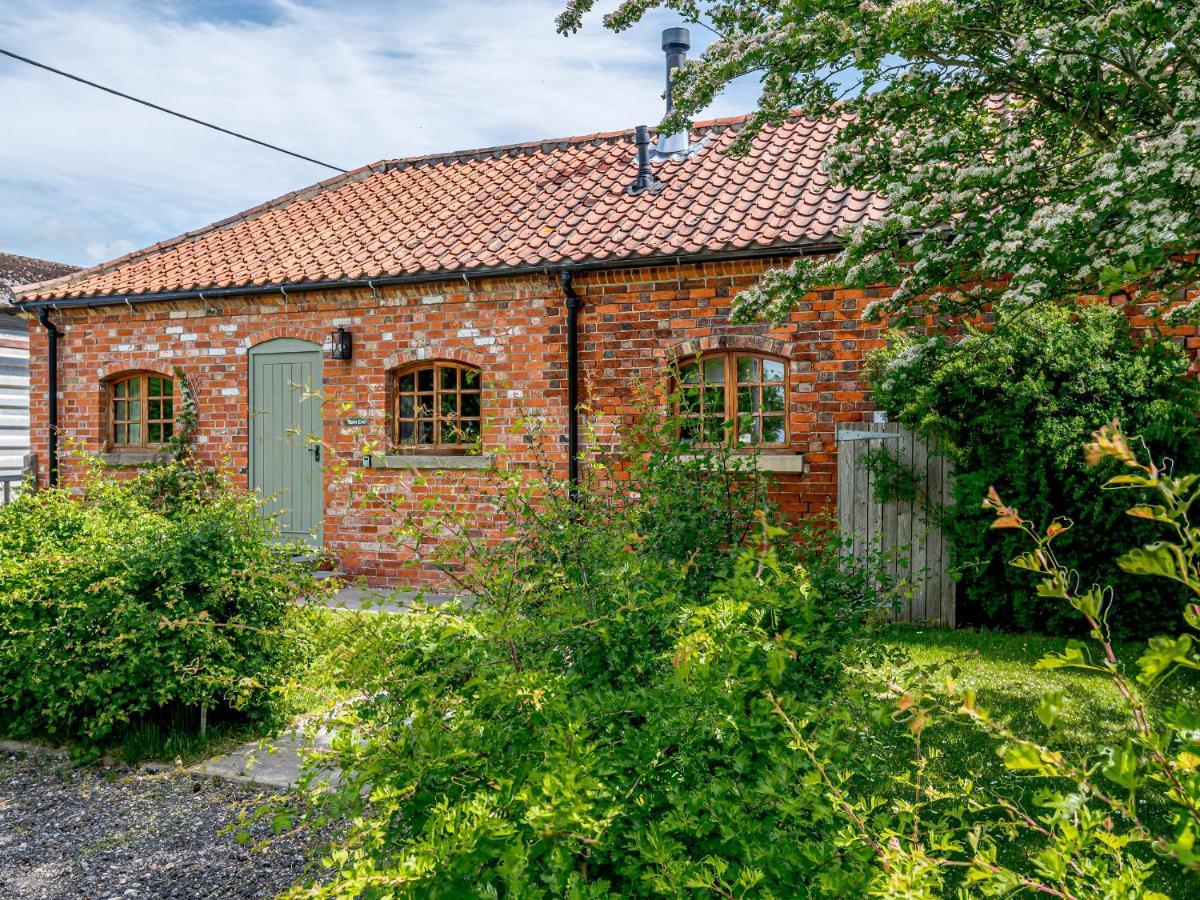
113 833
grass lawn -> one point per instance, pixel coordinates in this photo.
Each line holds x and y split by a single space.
1000 668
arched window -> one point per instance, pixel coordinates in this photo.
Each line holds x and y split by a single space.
141 410
435 406
733 397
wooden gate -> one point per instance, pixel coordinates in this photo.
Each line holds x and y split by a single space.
903 530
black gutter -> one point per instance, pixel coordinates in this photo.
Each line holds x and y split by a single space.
573 304
502 271
52 335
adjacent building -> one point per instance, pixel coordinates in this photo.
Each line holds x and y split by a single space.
14 358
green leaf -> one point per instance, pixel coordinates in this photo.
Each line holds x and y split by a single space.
1185 720
1162 655
1128 481
1185 842
1089 603
1031 561
1073 657
1049 708
1151 513
1121 767
1162 559
1025 758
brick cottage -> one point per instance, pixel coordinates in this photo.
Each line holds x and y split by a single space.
436 300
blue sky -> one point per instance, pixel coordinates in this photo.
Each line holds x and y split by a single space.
85 177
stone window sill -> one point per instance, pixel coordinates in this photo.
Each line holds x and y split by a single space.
792 463
132 457
432 461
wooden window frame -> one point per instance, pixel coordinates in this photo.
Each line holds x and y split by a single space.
437 417
731 387
143 420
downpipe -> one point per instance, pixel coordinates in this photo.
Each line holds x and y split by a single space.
52 336
573 305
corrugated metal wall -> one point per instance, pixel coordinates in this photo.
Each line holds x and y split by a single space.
14 394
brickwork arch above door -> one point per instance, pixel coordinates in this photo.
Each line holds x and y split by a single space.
279 332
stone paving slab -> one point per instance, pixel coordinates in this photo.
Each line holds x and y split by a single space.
274 762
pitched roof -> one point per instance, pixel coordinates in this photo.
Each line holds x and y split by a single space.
16 270
546 203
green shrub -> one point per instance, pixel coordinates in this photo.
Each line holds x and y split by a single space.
1116 815
597 723
1012 406
113 612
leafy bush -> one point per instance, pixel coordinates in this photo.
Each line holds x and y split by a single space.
597 722
116 608
1012 406
1098 816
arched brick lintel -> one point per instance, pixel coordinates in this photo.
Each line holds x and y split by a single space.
130 364
431 354
751 342
312 335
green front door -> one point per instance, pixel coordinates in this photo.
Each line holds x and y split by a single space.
285 435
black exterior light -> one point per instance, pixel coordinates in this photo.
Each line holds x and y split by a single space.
341 343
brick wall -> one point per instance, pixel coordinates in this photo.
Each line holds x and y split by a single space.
632 324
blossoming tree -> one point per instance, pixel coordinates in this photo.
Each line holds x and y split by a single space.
1031 150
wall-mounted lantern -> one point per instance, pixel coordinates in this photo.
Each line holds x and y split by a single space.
341 343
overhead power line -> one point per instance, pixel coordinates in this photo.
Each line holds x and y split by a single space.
164 109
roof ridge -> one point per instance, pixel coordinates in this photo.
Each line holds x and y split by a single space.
38 259
598 137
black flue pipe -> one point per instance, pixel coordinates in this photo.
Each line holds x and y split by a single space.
52 336
676 42
573 305
645 180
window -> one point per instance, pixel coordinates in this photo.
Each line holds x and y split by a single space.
141 410
436 406
738 397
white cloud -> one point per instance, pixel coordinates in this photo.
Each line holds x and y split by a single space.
84 174
96 253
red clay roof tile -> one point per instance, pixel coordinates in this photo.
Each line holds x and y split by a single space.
537 204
